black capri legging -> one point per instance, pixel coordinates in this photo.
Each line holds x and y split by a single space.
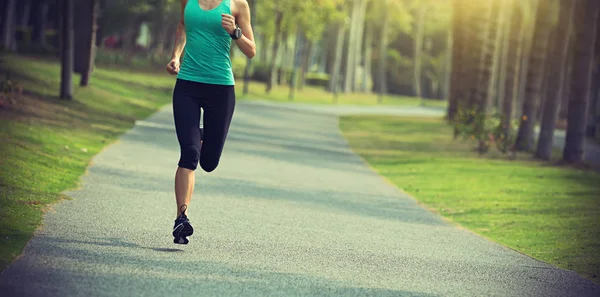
218 104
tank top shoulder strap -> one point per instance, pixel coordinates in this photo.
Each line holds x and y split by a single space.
227 6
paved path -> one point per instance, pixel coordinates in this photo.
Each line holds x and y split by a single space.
592 149
291 211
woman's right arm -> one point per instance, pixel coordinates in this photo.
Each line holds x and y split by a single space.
180 35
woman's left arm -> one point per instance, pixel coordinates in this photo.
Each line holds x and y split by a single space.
246 42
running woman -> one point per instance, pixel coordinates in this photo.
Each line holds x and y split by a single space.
204 82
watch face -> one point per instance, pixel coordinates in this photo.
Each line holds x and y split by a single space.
238 33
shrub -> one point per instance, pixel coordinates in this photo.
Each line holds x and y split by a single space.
260 72
488 130
317 79
10 92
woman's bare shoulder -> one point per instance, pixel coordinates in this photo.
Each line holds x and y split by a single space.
239 6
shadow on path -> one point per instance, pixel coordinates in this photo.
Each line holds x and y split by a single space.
126 273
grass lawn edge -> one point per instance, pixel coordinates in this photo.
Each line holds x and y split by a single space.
448 220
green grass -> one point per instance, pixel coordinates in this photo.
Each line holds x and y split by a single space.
47 143
316 95
550 213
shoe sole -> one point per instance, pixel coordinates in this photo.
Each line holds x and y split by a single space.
181 232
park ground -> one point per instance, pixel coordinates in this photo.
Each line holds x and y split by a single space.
546 211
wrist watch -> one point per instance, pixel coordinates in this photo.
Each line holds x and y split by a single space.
237 33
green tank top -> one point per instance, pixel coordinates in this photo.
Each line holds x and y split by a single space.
206 57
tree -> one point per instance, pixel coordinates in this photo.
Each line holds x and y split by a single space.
383 46
457 80
352 40
484 47
66 86
41 23
252 4
160 26
556 69
586 14
358 46
528 9
276 39
514 47
8 29
334 81
535 75
85 41
596 90
419 34
306 62
299 48
24 20
368 58
497 53
447 75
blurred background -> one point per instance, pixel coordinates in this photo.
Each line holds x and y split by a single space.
509 52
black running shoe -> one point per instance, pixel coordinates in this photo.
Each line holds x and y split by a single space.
182 228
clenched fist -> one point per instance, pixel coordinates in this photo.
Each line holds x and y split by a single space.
173 67
228 23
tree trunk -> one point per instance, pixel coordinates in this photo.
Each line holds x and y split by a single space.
8 30
248 67
528 31
66 86
564 100
26 13
351 58
597 100
306 63
419 36
298 49
334 80
323 53
276 39
496 55
596 88
483 47
465 76
367 59
283 64
535 75
508 63
41 21
358 53
447 74
591 123
383 46
515 45
544 89
159 29
85 26
556 69
458 35
586 14
264 48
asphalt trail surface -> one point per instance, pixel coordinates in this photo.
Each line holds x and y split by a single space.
290 211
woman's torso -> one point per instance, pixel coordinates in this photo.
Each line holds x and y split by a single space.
206 54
